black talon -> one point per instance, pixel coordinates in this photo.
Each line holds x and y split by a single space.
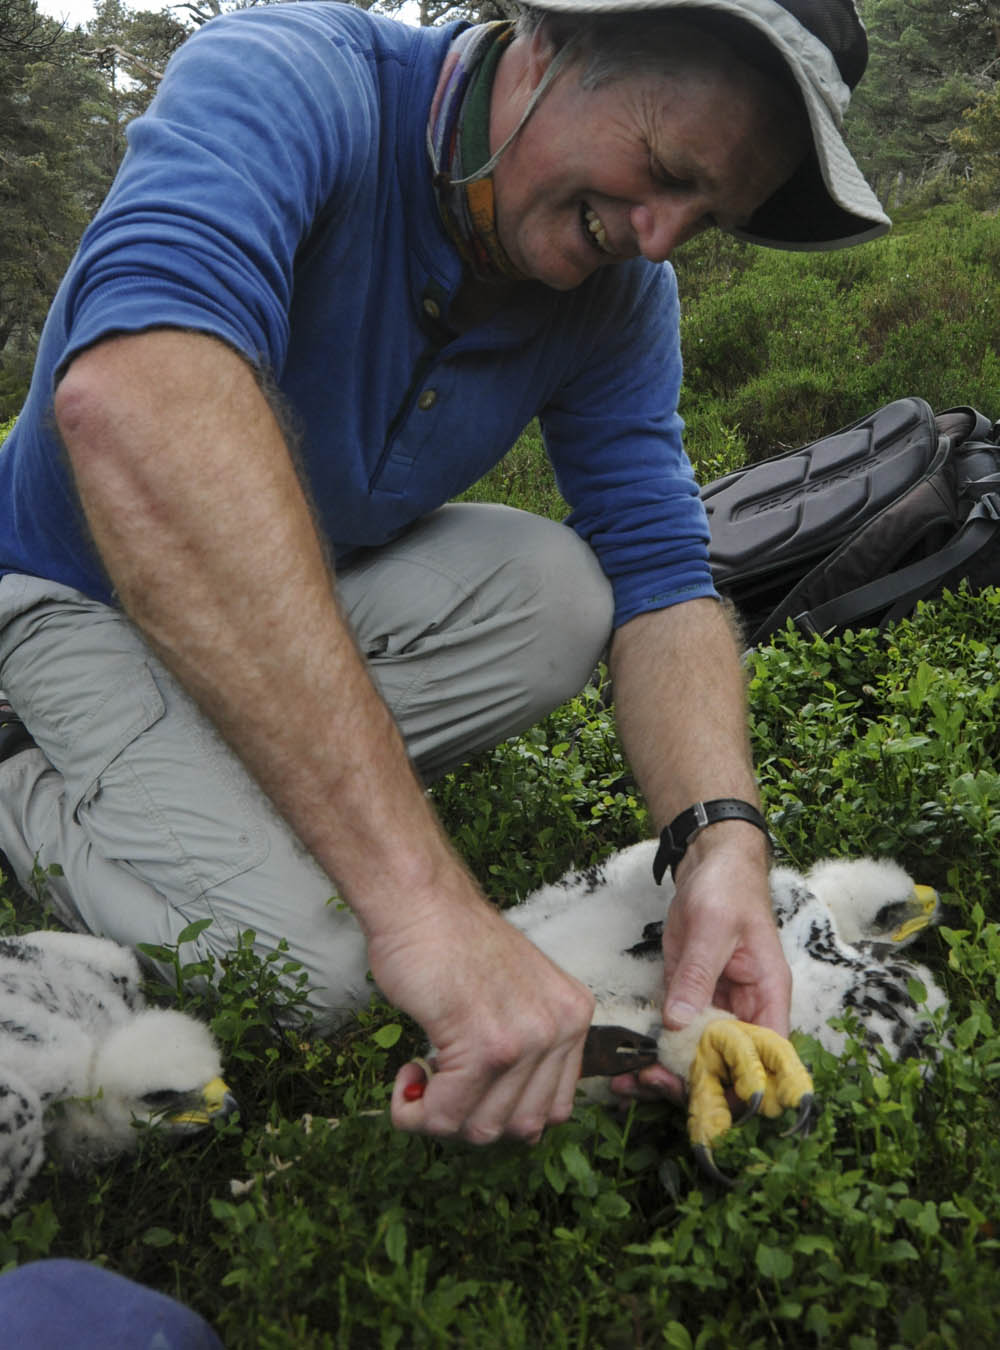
752 1106
706 1162
808 1109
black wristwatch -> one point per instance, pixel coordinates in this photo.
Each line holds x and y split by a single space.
676 836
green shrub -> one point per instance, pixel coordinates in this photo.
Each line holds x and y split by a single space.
900 738
15 380
787 347
782 348
557 797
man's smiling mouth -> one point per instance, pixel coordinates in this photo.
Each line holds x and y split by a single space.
595 229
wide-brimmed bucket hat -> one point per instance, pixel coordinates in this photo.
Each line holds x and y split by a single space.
826 203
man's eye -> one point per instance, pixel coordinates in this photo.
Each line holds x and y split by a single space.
665 178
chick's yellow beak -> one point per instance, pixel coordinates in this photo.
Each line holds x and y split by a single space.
217 1102
925 904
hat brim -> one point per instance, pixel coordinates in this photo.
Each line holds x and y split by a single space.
826 204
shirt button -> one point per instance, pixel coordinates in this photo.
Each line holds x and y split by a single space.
432 309
427 399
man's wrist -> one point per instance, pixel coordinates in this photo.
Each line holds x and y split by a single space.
684 829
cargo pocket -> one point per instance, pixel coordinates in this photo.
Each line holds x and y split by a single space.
157 790
130 707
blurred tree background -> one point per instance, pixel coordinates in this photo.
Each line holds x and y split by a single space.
925 124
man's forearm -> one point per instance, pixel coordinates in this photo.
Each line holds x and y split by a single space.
681 708
195 506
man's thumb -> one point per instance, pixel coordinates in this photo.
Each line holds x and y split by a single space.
691 989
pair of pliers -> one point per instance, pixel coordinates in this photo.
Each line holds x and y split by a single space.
611 1050
607 1051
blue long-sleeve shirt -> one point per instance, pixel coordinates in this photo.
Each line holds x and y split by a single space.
277 195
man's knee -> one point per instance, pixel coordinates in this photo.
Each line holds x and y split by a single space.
568 617
476 623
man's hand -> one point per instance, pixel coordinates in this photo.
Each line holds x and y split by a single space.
507 1025
720 944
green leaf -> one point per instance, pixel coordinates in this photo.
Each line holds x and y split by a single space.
611 1205
387 1036
916 990
913 1324
156 953
774 1263
579 1168
790 1309
676 1335
904 744
193 969
810 1243
817 1321
928 1221
901 1250
395 1242
193 931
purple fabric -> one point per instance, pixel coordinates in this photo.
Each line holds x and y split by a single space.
51 1305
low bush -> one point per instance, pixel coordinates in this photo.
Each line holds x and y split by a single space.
783 348
877 1231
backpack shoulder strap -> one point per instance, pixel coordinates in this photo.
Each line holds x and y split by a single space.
965 424
900 591
970 455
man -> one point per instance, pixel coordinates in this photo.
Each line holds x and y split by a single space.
343 264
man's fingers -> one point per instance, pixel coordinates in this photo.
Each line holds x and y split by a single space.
569 1078
412 1079
450 1105
517 1103
649 1085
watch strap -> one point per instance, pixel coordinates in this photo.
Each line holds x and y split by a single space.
675 837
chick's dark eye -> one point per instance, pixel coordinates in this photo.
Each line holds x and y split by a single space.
162 1099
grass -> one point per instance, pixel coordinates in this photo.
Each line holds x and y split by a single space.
876 1231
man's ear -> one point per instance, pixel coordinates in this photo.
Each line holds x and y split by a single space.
540 54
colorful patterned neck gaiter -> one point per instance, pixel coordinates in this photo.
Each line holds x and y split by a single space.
458 142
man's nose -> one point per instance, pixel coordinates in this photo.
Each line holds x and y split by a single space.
663 224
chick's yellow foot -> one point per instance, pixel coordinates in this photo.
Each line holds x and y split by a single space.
761 1068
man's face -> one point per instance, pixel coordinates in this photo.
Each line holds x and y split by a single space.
636 166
